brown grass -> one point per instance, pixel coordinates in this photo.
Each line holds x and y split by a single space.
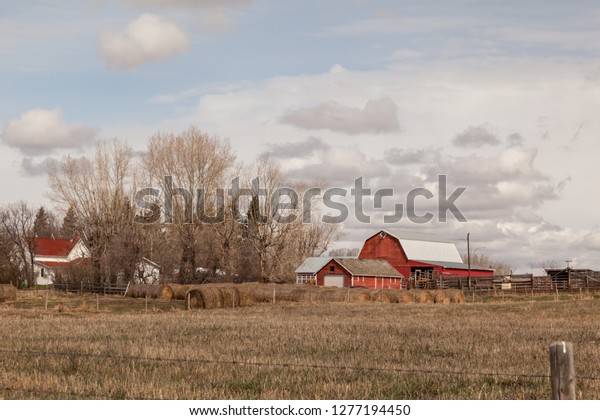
8 292
275 349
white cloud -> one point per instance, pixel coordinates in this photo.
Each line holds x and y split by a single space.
475 137
39 131
291 150
31 168
378 116
339 167
148 38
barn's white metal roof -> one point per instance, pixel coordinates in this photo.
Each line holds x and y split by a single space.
417 249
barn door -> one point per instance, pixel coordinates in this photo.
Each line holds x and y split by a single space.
336 280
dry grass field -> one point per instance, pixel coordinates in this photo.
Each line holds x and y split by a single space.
497 349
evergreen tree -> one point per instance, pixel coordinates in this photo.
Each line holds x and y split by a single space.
70 224
42 226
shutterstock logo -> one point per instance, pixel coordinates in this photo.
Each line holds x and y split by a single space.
286 205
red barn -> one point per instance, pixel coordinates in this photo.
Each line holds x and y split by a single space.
419 260
353 272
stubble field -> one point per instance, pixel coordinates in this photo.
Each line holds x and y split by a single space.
496 349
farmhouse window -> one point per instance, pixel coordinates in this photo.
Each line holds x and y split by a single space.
331 268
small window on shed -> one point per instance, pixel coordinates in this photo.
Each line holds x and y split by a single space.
331 268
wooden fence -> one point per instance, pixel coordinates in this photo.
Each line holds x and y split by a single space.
96 288
514 283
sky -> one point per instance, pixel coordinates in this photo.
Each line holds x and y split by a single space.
502 97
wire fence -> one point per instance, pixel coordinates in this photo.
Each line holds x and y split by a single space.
284 365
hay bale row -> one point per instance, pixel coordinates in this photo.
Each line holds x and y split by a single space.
212 296
8 292
302 293
283 292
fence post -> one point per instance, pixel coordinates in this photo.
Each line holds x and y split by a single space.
562 371
273 295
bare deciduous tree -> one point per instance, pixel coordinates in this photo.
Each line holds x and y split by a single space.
99 192
480 260
17 223
185 165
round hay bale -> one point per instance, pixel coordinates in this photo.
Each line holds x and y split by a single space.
456 296
141 290
359 295
422 296
247 297
364 297
405 297
8 292
441 296
263 293
180 290
130 290
208 297
161 291
231 296
331 294
296 294
384 296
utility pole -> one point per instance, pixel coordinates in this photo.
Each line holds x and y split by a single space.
469 257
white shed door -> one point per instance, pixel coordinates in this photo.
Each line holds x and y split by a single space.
334 280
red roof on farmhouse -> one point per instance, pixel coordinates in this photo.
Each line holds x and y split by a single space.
56 264
51 247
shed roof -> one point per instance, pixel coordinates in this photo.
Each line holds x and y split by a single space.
368 267
312 264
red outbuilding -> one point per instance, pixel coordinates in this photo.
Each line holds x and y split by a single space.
354 272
